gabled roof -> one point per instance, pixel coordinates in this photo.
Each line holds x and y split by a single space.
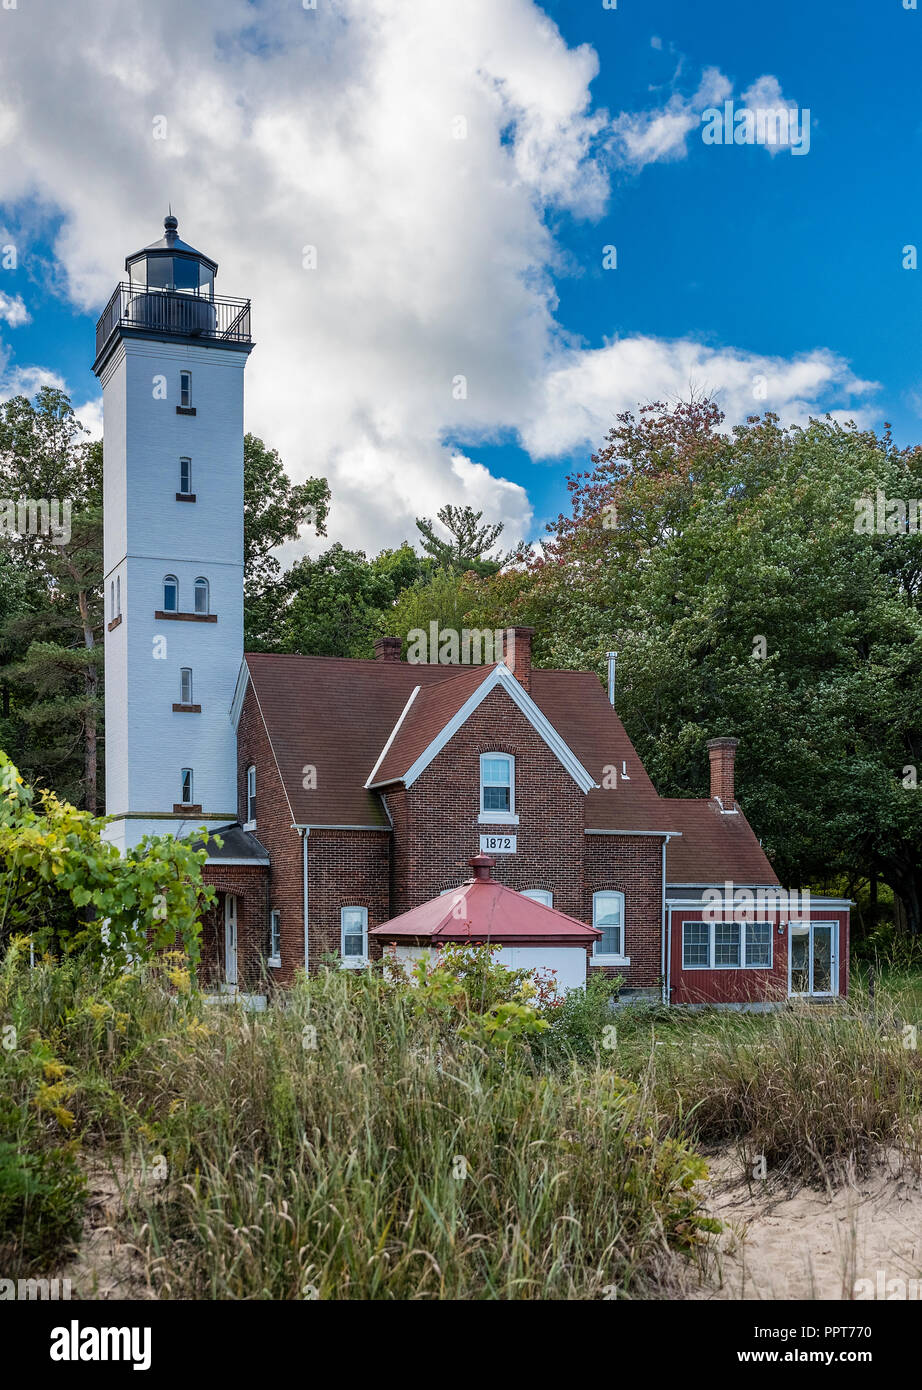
433 716
341 717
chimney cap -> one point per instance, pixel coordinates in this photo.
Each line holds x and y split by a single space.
722 743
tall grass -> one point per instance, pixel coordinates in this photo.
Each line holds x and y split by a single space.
349 1145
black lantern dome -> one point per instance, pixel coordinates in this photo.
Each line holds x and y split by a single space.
172 265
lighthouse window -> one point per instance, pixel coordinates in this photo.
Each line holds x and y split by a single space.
201 595
118 594
185 389
112 614
185 476
170 594
186 797
251 795
185 685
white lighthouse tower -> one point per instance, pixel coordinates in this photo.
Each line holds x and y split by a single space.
171 356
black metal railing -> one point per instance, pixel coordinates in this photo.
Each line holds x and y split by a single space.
170 311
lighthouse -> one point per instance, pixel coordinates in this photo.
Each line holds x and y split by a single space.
170 356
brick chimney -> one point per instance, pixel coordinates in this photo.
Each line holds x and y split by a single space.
722 752
388 649
517 653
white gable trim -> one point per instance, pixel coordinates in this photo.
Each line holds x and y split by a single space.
240 690
404 713
501 675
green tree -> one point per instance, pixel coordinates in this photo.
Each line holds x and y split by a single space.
51 612
469 543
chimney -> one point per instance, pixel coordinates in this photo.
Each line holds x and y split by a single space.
388 649
481 864
722 752
517 653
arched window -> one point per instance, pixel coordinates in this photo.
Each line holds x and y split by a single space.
201 595
185 685
608 916
170 594
540 895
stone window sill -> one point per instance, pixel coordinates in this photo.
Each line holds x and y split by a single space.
115 622
185 497
185 410
180 809
187 709
185 617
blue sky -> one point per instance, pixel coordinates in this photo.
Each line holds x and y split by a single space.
752 256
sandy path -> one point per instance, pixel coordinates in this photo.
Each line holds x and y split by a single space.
812 1244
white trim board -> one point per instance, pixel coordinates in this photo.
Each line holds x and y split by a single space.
501 675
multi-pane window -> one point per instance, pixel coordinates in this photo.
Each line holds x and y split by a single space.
186 797
185 477
251 793
354 933
608 916
275 935
201 595
497 784
726 945
170 594
696 945
185 685
185 389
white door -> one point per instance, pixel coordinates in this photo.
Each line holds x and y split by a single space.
230 939
813 959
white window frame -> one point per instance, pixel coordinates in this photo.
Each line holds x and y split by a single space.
185 695
607 957
539 895
170 579
250 822
275 938
498 817
187 490
744 963
353 962
201 585
185 391
190 799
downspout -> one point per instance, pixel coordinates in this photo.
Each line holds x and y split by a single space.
664 969
304 834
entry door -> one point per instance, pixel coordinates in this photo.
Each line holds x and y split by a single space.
230 939
813 967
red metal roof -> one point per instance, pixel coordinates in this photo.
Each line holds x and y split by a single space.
486 911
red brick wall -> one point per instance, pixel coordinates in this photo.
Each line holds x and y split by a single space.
274 830
345 868
436 828
249 885
632 865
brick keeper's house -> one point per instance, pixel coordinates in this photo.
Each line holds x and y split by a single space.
349 793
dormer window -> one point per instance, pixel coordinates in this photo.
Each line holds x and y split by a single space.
170 594
497 788
200 595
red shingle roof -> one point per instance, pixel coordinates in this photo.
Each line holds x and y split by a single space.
337 714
